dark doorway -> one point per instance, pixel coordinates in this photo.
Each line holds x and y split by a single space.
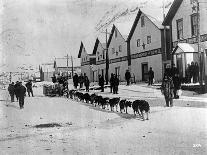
144 71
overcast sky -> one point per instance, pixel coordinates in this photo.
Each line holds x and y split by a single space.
36 31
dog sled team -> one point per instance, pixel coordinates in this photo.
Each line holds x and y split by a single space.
138 106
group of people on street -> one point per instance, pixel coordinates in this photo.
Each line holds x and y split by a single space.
192 73
171 83
19 91
61 82
81 80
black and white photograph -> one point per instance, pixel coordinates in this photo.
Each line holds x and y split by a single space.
103 77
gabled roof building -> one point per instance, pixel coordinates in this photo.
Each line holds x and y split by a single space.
184 25
87 61
147 47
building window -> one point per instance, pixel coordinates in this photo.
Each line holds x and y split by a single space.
113 50
148 39
142 21
138 42
180 28
115 33
103 54
194 24
119 48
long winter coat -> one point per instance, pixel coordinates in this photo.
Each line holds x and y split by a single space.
75 80
21 90
11 89
101 81
127 75
167 87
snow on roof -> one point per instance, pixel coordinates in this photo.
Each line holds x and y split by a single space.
185 47
155 21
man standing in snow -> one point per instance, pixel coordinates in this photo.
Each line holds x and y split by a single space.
127 76
101 83
75 80
11 91
151 76
21 90
29 88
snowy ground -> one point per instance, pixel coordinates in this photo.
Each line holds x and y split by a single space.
90 130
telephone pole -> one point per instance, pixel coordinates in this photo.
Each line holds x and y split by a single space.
199 50
72 65
107 62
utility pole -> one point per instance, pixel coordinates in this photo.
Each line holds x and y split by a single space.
107 62
199 51
67 66
72 65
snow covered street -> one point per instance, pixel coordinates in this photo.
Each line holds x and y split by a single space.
81 128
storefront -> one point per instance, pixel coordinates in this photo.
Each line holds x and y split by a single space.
183 55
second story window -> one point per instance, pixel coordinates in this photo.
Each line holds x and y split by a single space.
138 42
148 39
113 50
120 48
194 24
180 28
142 21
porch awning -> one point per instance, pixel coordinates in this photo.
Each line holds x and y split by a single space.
185 48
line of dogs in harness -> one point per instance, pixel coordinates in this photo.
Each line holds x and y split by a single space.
138 106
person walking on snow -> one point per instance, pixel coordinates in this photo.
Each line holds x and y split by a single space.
21 90
151 76
127 77
15 90
29 88
167 89
11 90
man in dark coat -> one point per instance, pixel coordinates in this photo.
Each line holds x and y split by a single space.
174 70
86 82
116 84
112 82
177 85
29 88
101 83
81 80
75 80
21 90
11 91
15 90
54 80
151 76
127 77
196 73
